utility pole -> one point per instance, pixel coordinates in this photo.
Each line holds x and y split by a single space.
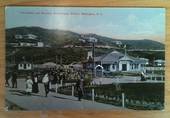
61 60
125 50
56 59
93 54
92 41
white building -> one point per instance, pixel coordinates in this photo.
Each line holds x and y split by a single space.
18 36
30 36
27 44
27 36
116 61
159 62
40 44
28 40
24 66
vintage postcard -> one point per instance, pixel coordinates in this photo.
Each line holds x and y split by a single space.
75 58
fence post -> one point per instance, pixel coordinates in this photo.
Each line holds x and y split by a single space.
61 82
162 78
151 77
72 91
93 95
56 87
123 100
50 87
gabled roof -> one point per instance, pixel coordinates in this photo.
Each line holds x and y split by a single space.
126 58
99 58
49 64
24 62
159 61
141 60
110 58
116 56
134 60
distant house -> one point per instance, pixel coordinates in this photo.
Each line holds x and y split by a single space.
118 42
159 62
68 46
87 38
49 65
27 44
17 36
116 61
76 66
46 66
27 36
28 40
40 44
30 36
25 66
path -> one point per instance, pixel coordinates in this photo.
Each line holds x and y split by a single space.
54 101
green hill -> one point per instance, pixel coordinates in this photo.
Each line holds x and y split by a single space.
61 37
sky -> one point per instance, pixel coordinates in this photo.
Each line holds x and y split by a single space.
119 23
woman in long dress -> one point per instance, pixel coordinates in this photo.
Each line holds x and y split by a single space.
35 84
79 86
29 84
45 81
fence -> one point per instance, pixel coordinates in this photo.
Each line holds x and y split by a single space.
134 96
154 68
155 77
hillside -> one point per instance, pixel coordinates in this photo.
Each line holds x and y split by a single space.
60 37
47 36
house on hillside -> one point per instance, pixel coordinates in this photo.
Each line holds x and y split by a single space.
27 44
159 62
28 40
27 36
117 61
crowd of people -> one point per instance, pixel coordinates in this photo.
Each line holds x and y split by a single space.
46 78
13 77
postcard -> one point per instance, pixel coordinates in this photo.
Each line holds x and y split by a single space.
84 58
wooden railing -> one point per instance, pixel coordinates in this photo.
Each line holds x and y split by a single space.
133 96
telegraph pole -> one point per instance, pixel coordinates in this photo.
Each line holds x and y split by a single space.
61 59
93 54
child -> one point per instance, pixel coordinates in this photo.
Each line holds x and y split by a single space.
29 84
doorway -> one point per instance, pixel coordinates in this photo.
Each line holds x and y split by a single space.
124 67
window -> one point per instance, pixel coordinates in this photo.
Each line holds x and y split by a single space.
113 67
106 67
20 65
124 67
25 66
131 66
142 65
136 66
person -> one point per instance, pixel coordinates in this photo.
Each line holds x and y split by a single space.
142 76
79 87
14 80
29 84
45 81
6 79
35 84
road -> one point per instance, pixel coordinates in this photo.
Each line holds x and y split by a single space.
54 101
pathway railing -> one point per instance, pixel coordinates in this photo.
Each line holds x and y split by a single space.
148 96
